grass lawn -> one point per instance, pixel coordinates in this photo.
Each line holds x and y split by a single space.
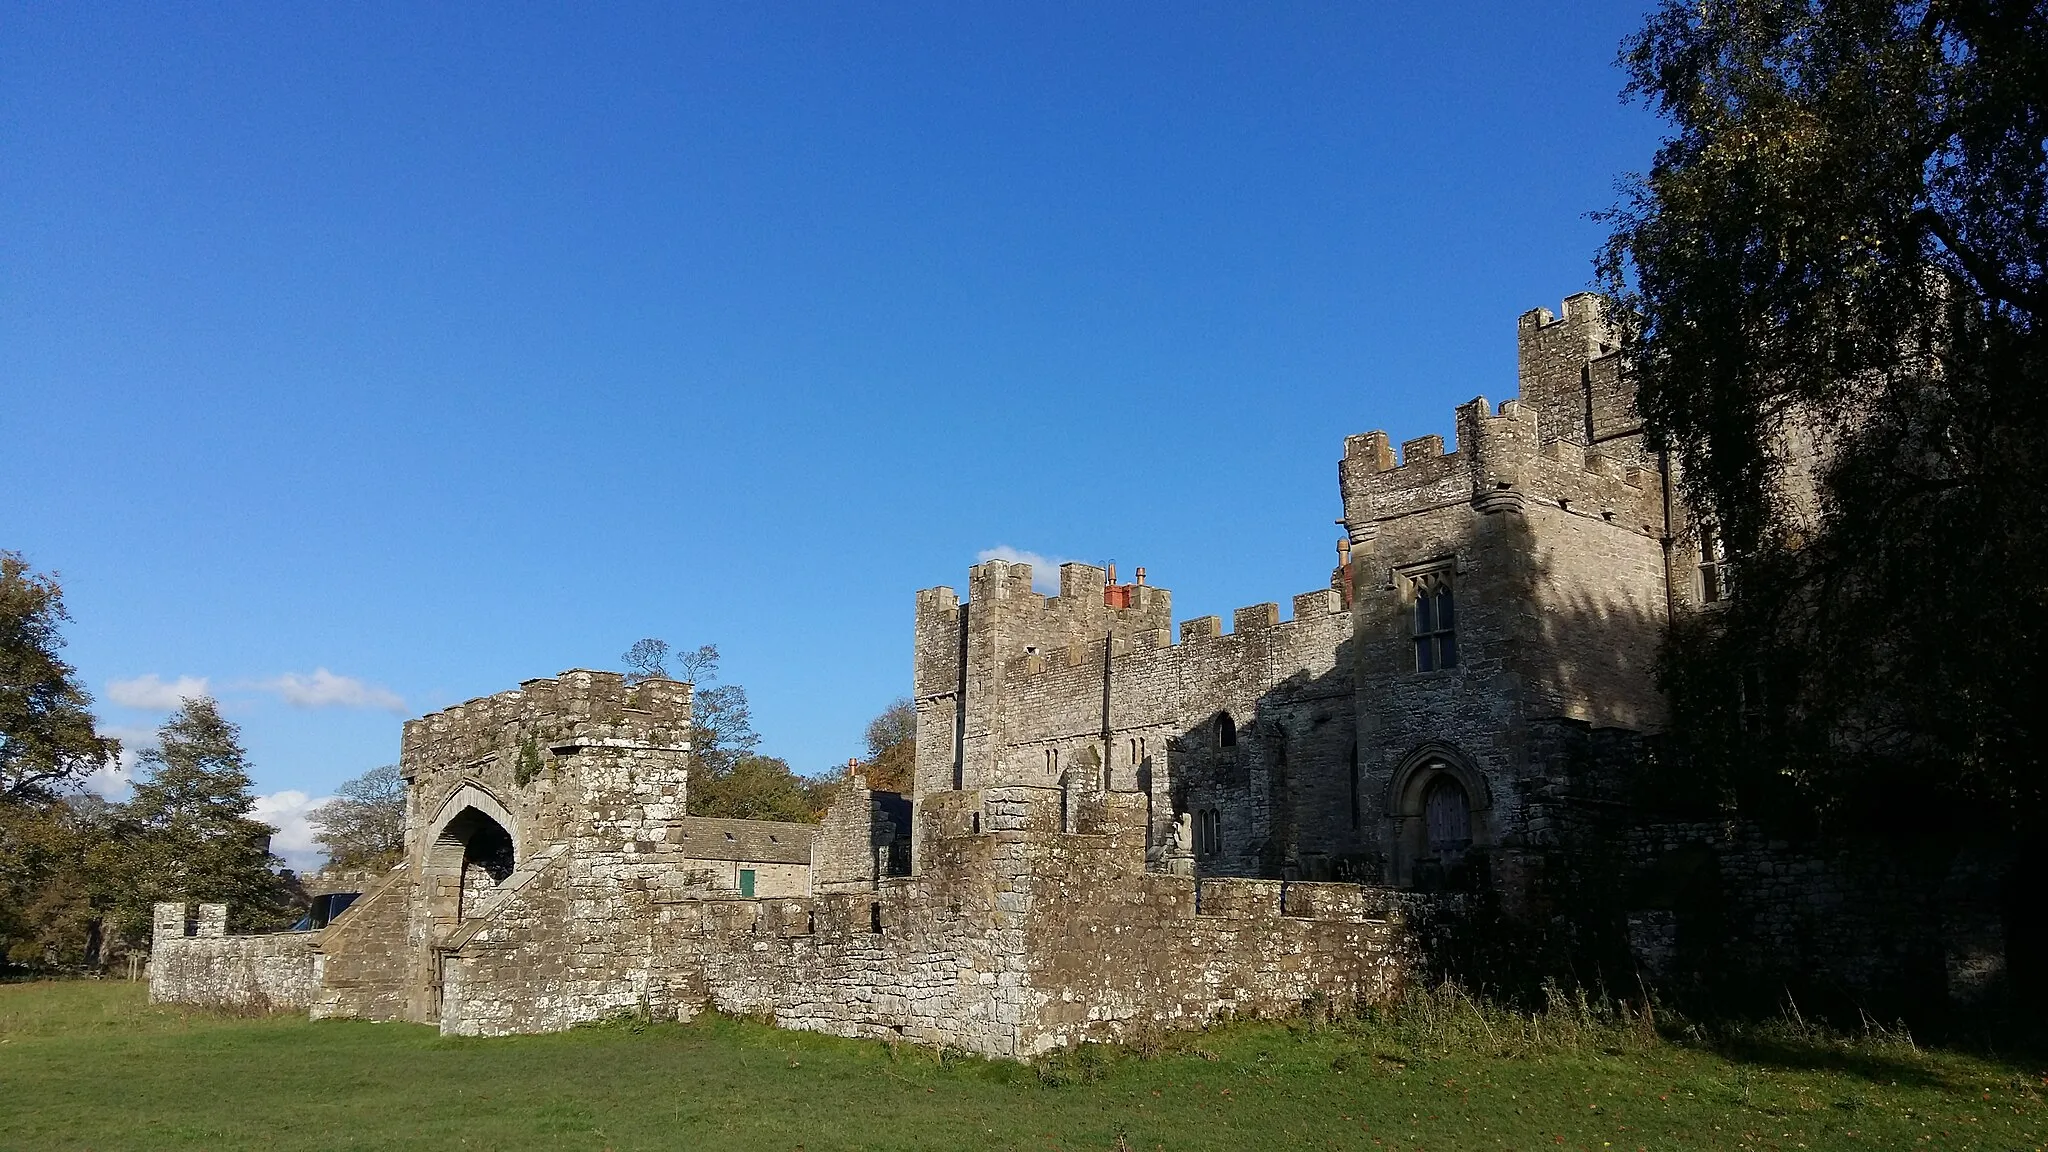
90 1065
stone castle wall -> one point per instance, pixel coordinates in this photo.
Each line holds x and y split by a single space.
1113 829
585 778
580 755
369 955
1130 709
1015 938
196 962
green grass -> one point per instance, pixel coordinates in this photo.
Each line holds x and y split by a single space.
90 1065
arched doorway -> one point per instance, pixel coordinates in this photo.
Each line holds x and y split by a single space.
1439 807
486 859
1447 821
472 851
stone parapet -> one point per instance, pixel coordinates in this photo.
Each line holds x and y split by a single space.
275 972
578 708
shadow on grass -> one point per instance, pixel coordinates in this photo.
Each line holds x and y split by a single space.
1880 1060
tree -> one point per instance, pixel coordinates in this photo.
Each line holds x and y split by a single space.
722 722
52 903
892 748
759 788
47 738
188 830
646 660
722 726
1831 283
364 825
727 778
59 884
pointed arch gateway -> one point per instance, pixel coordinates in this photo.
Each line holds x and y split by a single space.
472 849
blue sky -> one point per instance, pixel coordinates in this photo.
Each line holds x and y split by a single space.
360 360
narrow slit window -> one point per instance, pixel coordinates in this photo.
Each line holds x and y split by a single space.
1209 832
1355 813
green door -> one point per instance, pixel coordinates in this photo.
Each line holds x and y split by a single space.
746 881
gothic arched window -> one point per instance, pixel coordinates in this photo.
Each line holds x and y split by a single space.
1226 731
1436 621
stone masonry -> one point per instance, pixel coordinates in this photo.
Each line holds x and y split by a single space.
1309 747
1115 828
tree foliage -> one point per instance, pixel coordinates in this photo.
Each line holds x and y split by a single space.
77 873
59 883
47 737
759 788
55 880
722 722
727 777
364 825
892 748
1831 283
647 659
188 832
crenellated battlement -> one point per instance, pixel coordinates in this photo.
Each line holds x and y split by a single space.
940 601
580 707
1081 594
1583 313
1254 624
1037 634
1501 459
1568 368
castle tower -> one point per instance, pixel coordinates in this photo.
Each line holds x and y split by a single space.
1569 371
970 656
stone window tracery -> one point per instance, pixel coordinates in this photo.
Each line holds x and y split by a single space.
1435 617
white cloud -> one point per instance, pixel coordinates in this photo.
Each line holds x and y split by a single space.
287 812
324 689
154 692
113 781
1045 570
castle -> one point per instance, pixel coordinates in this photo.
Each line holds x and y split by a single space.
1112 829
1492 606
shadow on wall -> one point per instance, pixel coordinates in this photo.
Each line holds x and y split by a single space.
1530 774
1717 883
1269 787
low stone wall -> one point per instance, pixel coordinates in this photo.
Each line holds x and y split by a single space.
262 973
1708 896
1009 942
1117 953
